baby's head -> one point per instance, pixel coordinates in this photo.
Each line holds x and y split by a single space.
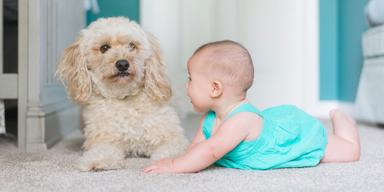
225 61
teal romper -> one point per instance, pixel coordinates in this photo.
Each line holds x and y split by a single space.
289 138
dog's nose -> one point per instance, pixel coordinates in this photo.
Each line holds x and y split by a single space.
122 65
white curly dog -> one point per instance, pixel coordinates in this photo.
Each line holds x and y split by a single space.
116 72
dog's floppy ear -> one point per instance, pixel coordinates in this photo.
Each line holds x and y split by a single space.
72 71
156 83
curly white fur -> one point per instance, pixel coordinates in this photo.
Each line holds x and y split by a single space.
125 113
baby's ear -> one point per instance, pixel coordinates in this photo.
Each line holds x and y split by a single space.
216 89
156 82
72 71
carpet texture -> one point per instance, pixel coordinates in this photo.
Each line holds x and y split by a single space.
53 171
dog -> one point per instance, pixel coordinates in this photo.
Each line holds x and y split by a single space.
116 72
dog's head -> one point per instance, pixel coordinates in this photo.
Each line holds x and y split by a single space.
114 58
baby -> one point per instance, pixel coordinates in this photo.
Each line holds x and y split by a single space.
235 134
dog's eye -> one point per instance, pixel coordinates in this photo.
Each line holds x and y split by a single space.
132 46
104 48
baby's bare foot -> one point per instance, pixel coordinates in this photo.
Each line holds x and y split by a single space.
344 126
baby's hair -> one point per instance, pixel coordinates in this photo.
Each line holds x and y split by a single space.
231 59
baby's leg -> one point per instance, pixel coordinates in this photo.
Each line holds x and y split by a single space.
344 143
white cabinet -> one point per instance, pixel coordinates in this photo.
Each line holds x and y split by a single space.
45 114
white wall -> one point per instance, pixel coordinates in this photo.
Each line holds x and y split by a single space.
272 31
280 35
181 26
161 18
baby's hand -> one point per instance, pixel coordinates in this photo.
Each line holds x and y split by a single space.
160 166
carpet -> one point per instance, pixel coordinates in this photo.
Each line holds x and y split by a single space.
53 170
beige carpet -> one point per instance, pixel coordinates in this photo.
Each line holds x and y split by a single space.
53 171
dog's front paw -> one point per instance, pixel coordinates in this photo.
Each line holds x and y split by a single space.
101 157
171 148
85 164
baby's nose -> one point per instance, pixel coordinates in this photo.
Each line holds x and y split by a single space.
122 65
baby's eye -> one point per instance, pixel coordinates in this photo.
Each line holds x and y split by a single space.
189 78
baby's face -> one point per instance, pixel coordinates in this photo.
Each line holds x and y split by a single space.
198 85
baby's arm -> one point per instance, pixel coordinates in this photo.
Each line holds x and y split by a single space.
199 137
205 153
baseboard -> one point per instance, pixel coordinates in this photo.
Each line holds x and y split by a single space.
48 124
349 108
34 147
322 108
60 123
